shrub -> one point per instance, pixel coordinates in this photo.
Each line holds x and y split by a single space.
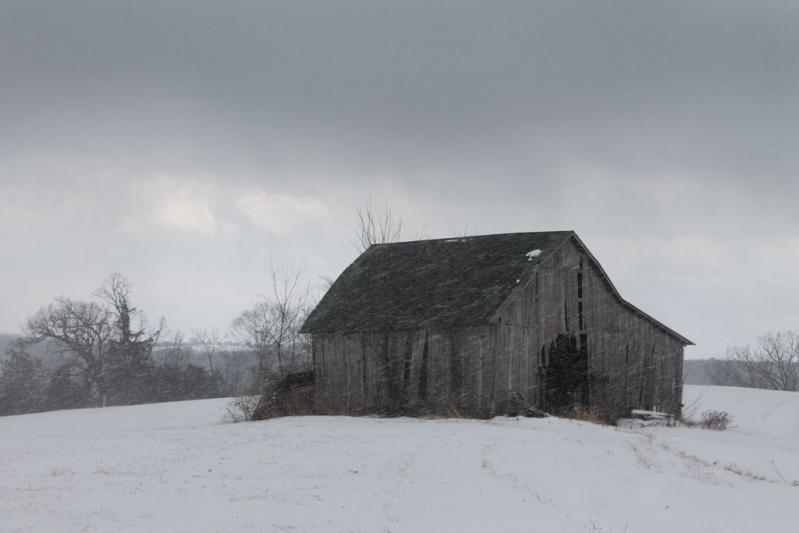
715 420
242 408
292 395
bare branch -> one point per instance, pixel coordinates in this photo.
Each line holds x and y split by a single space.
373 227
774 364
271 327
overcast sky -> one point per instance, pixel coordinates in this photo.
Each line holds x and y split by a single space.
190 144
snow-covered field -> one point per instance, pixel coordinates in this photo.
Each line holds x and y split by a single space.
178 468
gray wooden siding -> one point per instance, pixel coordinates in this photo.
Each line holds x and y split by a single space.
478 371
427 370
633 363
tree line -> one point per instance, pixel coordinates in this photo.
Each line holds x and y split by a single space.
108 353
772 363
103 351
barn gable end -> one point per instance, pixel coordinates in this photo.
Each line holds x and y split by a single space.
568 305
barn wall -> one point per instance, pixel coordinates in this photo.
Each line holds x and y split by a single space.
481 371
632 363
444 371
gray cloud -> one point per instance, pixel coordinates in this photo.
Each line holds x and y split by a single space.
169 140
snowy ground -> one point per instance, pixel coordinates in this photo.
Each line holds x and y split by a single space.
178 468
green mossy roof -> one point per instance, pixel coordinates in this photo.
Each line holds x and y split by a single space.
448 282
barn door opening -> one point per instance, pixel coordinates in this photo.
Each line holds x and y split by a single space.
567 375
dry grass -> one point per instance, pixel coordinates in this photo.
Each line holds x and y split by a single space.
578 412
715 420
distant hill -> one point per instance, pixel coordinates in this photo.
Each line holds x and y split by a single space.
42 349
694 372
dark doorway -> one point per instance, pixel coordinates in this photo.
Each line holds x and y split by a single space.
567 374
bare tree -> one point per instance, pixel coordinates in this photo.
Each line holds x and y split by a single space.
209 343
251 328
271 328
109 355
108 338
233 363
173 352
773 364
290 296
375 227
116 292
83 329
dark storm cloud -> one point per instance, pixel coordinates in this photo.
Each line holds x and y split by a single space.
666 134
412 72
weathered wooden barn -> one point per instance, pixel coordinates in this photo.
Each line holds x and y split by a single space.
478 326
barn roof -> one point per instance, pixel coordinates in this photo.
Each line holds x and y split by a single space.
460 281
451 282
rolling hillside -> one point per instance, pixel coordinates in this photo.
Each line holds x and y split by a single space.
179 468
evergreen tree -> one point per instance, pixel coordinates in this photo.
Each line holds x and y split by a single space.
129 368
22 382
67 387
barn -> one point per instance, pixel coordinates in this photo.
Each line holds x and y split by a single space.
486 325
